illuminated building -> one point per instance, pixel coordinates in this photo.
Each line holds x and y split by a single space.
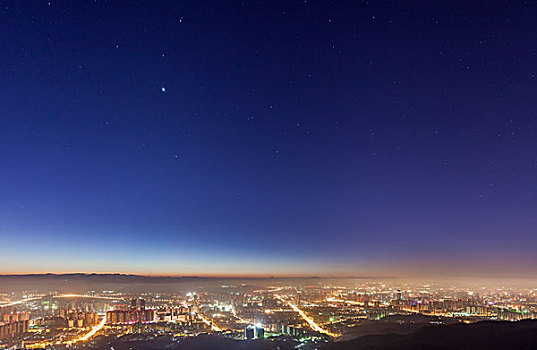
130 316
260 332
513 315
249 332
14 328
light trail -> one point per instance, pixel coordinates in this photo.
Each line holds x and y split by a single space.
214 327
86 296
85 337
350 302
17 302
82 338
306 318
91 333
242 320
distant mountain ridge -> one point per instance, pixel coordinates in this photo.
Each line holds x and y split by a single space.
126 275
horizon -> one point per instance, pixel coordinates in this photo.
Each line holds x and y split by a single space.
430 277
118 278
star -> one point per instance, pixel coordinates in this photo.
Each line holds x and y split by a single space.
163 89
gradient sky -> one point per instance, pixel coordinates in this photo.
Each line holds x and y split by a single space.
268 137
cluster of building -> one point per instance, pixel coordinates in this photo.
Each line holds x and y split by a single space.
173 314
284 329
78 319
515 315
14 329
133 314
470 306
9 317
13 322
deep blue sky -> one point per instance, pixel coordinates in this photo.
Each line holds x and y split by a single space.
268 137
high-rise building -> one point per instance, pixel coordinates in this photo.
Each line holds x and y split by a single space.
14 328
260 332
366 300
249 332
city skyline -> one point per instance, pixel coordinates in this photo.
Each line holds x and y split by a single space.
273 138
134 312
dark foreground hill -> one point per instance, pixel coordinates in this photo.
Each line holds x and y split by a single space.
481 335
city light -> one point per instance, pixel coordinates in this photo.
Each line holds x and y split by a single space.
243 313
306 318
91 333
209 323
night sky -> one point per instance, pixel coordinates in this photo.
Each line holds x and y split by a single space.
268 137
